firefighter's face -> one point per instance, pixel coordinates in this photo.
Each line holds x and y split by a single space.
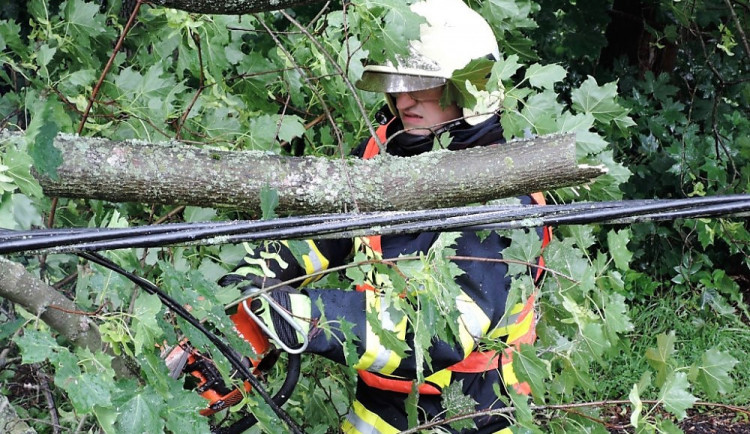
420 111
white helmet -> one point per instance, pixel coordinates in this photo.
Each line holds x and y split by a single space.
453 36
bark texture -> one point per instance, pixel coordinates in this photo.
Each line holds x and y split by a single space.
52 307
173 173
231 7
25 289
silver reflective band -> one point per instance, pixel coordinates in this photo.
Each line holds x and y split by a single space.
388 82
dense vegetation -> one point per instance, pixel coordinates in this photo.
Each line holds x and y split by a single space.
651 314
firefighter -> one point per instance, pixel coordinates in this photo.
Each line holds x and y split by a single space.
452 36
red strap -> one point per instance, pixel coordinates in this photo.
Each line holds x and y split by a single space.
478 361
394 385
372 149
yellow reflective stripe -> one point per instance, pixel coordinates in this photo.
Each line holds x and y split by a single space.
509 375
313 261
504 431
474 322
506 322
440 378
363 421
520 329
378 358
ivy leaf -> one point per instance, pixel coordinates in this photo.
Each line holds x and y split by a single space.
545 76
675 394
269 200
40 137
618 248
456 404
531 369
35 345
660 357
712 373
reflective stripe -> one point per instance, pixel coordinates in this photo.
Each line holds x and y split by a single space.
360 420
474 322
378 358
440 378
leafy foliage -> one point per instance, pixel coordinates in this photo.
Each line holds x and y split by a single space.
620 308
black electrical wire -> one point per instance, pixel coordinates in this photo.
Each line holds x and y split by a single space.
347 225
225 349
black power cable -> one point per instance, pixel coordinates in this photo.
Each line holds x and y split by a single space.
225 349
348 225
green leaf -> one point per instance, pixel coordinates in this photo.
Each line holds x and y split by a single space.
600 101
84 18
19 168
388 338
140 414
269 200
198 214
88 390
40 137
545 76
616 316
525 246
618 248
531 369
712 373
675 394
456 403
474 73
36 345
504 69
146 327
635 399
660 358
291 127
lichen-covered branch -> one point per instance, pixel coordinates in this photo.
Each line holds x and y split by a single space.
231 7
172 173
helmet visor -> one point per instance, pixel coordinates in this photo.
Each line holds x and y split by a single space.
390 82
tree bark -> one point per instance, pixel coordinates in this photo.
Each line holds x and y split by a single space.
232 7
52 307
25 289
173 173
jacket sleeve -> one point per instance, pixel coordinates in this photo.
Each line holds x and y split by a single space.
481 303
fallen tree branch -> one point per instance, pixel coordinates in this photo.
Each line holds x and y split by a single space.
25 289
172 173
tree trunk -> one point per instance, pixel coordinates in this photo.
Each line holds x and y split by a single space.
178 174
234 7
